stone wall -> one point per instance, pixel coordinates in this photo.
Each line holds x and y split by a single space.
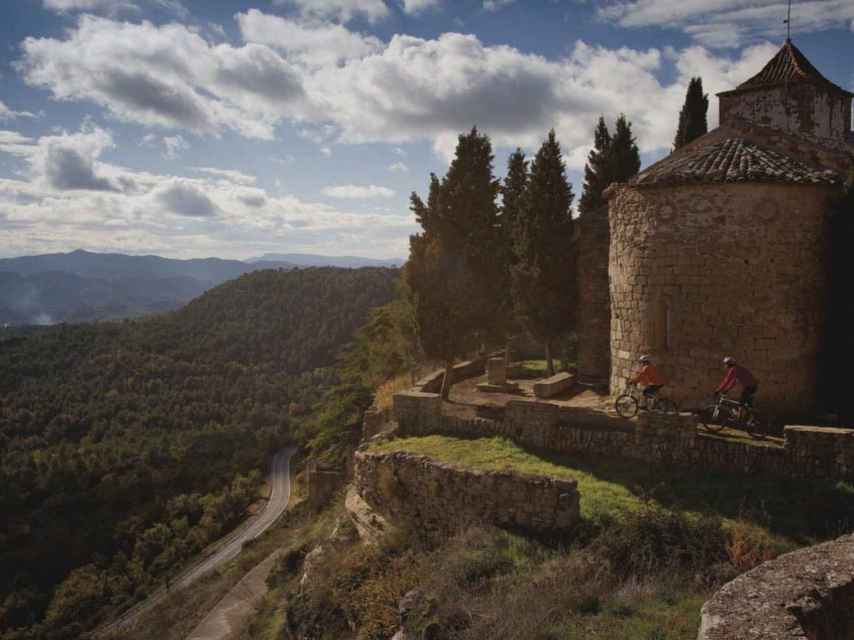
432 383
808 452
803 108
594 305
322 483
803 595
698 272
439 497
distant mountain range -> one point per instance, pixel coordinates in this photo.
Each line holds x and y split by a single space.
312 260
83 286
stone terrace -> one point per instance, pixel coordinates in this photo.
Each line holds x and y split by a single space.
581 421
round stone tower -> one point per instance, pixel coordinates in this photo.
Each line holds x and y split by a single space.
719 249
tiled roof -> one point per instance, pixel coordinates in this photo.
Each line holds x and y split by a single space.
790 65
731 160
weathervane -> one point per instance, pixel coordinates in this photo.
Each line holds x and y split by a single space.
788 22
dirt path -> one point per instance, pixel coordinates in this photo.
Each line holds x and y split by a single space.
228 547
237 605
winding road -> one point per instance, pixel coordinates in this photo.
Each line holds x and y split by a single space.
226 548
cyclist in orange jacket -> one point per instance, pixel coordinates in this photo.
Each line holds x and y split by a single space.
648 375
736 374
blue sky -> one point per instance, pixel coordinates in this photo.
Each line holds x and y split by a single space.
193 128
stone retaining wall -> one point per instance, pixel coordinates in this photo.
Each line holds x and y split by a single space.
440 497
809 452
804 595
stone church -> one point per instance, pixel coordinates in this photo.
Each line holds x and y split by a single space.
720 248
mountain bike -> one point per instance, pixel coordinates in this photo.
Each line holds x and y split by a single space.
632 400
721 411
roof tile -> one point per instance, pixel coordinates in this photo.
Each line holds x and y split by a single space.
732 160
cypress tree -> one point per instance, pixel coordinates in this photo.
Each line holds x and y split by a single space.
597 171
692 117
513 194
624 155
455 270
513 190
542 275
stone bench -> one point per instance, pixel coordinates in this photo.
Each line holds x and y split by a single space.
554 385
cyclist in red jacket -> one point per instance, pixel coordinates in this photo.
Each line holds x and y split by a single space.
736 374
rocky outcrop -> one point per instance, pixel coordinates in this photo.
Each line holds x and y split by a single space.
803 595
439 498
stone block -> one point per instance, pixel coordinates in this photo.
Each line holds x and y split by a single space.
554 385
496 371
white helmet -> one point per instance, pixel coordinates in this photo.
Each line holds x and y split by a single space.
729 360
644 359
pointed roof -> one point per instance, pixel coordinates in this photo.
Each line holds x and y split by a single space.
728 160
789 66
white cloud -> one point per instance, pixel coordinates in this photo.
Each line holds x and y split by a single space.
174 145
186 199
398 166
65 161
358 192
229 175
495 5
8 114
166 76
313 43
337 86
66 6
342 10
216 214
729 23
417 6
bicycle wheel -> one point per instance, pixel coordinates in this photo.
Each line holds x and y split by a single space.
665 405
756 426
626 405
711 417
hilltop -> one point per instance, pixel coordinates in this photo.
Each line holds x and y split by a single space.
126 447
82 286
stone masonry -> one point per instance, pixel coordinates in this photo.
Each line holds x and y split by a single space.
720 248
670 440
702 271
440 497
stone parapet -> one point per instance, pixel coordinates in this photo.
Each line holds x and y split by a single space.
440 497
804 595
821 451
809 452
416 406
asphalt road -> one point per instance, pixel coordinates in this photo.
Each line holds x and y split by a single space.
225 549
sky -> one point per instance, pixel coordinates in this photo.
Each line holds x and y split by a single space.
229 128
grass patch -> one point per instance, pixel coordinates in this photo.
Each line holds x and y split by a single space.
774 512
598 497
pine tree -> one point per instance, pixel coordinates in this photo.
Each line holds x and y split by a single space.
456 266
543 276
692 117
624 155
597 173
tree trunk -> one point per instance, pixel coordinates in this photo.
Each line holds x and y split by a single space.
508 348
447 380
550 363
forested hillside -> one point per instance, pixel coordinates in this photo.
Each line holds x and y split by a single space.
128 446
